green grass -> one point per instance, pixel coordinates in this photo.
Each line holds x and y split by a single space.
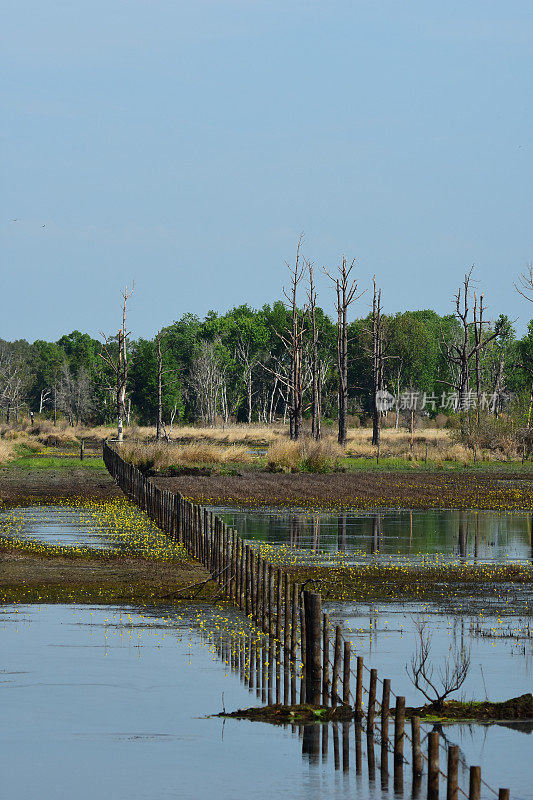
54 462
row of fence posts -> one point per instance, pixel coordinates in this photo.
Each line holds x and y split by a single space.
292 618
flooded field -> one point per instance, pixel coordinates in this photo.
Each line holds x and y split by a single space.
114 525
113 703
116 701
466 536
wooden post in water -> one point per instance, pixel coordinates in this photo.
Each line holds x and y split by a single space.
359 689
279 586
313 645
385 700
336 667
303 642
264 623
346 674
417 749
271 628
399 725
433 766
474 790
503 794
371 702
452 785
294 620
325 660
287 623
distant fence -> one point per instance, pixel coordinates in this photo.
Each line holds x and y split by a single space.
292 617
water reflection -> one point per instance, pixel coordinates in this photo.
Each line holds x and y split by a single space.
131 723
468 536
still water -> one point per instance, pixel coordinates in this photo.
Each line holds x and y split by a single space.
113 702
113 525
468 536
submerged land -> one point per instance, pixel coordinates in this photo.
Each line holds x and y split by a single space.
53 575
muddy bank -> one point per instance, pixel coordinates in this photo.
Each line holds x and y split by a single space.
517 708
468 488
29 578
301 714
19 484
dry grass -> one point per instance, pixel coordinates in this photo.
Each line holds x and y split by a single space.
253 434
161 456
306 455
396 443
7 451
443 444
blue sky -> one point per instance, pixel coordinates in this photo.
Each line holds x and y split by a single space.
187 145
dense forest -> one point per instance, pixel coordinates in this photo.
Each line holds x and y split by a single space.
236 367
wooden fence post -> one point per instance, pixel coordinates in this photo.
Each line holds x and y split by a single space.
433 766
371 701
313 660
325 660
336 666
417 749
346 674
452 785
474 791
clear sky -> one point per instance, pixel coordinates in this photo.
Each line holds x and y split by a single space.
188 144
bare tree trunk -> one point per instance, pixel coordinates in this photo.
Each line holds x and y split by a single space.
346 290
377 362
459 354
315 364
159 424
119 365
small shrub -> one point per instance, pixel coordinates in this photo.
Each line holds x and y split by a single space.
305 455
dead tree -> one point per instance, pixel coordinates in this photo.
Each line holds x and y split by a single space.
292 340
346 289
244 354
377 362
118 362
421 671
316 401
471 343
294 343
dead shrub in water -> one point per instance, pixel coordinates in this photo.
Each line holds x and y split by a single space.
451 676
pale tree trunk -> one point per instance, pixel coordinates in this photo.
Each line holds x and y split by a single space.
315 364
345 289
119 365
377 361
159 425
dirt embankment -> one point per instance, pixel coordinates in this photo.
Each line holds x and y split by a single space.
30 578
19 484
472 489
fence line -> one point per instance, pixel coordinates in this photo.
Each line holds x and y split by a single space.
292 618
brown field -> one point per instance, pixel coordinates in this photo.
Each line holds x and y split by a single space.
363 489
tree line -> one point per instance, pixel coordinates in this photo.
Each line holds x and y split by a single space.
286 361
